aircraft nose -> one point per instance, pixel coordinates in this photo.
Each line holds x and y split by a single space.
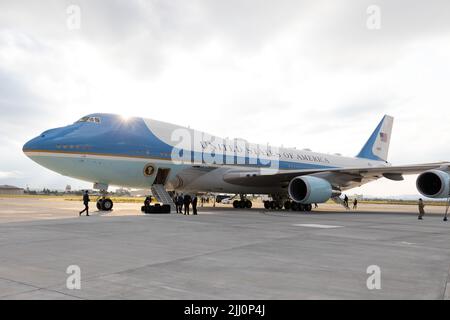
33 145
43 142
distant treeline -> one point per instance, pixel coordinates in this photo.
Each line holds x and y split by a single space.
49 192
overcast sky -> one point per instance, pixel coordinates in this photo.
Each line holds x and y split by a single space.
309 74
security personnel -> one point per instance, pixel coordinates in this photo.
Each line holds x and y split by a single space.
187 201
179 203
86 203
194 205
421 209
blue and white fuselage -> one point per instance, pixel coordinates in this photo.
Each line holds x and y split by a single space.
109 149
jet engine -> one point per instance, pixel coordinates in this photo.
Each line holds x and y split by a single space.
434 184
308 189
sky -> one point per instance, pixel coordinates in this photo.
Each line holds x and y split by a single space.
306 74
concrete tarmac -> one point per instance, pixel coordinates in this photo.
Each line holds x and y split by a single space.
222 253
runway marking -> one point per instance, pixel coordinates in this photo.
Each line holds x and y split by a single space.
312 225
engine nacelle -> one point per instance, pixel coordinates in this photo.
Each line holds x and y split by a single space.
434 184
308 189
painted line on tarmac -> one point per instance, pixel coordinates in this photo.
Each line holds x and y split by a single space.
312 225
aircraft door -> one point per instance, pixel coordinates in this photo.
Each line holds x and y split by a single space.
161 176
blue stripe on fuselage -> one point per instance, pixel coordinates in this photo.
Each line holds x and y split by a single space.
131 137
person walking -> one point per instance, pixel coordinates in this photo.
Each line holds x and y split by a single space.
421 209
194 205
86 203
355 204
346 200
186 201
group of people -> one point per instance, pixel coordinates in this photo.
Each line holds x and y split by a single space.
185 201
355 202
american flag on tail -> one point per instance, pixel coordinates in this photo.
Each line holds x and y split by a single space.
383 136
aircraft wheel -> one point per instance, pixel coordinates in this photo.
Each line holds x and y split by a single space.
287 205
99 204
294 206
248 204
107 205
236 204
308 207
267 204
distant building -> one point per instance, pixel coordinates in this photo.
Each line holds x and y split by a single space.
122 192
140 193
5 189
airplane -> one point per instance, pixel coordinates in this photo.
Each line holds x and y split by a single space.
109 149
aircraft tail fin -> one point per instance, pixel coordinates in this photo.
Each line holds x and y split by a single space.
377 147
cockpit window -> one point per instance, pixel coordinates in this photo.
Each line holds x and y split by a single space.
89 119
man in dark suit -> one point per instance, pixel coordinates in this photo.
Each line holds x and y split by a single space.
187 202
179 203
194 205
86 203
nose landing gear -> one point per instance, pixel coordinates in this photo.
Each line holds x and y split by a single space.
104 204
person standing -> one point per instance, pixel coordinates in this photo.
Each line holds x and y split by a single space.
186 202
147 203
179 203
355 204
175 201
194 205
346 200
86 203
421 209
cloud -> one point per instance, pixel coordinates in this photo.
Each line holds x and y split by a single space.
10 174
298 73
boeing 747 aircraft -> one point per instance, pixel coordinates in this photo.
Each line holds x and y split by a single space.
108 149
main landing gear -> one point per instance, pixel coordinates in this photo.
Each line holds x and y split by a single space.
287 205
243 203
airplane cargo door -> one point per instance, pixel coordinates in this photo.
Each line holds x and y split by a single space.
161 176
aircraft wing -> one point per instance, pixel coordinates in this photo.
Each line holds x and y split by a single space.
340 177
